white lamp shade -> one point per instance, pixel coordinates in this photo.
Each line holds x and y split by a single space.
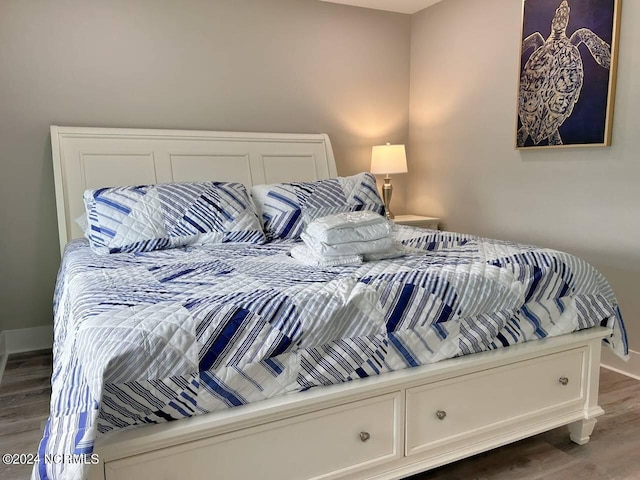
388 159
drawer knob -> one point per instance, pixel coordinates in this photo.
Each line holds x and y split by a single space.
441 414
564 380
364 436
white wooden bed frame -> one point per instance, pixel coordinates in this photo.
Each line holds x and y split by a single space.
387 427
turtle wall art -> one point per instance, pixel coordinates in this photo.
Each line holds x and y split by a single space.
567 73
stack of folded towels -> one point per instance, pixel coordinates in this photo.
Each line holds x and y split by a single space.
346 239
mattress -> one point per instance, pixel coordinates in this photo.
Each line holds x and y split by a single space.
159 336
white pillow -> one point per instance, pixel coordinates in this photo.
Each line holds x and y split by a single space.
83 223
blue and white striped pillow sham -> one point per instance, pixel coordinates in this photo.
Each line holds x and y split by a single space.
286 208
153 217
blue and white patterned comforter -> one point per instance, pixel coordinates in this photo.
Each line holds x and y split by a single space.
152 337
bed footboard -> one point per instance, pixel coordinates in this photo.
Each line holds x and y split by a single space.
387 427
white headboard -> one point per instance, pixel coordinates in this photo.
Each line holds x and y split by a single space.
99 157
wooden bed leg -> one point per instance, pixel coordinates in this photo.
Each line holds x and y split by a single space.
580 431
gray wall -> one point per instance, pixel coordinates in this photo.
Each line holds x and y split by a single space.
464 167
247 65
306 66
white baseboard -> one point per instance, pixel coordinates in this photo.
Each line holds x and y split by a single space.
28 339
630 368
23 340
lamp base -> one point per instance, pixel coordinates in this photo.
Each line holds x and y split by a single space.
387 190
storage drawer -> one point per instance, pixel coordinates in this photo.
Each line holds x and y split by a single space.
322 444
463 408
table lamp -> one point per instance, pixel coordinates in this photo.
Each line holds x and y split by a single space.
385 160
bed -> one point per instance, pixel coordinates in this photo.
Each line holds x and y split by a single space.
398 368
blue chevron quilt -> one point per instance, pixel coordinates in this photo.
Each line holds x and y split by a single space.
149 337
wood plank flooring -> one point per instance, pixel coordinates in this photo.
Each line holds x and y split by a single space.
612 454
24 406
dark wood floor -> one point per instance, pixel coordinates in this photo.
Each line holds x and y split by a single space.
612 454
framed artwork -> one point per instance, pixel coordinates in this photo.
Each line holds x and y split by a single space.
568 62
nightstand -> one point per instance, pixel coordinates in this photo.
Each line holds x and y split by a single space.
417 221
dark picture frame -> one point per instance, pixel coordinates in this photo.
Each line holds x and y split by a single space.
568 67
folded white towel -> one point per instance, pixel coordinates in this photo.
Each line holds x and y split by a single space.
349 227
396 250
307 256
350 248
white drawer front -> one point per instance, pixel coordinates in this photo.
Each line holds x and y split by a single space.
463 408
322 444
